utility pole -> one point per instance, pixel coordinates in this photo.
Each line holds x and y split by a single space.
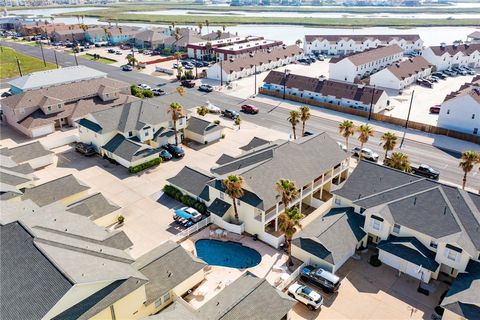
371 104
73 48
408 118
196 63
285 74
221 72
255 75
43 55
55 55
18 65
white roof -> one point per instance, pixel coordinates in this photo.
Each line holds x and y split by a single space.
56 77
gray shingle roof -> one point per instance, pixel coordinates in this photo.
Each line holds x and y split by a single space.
219 207
333 235
202 127
427 206
254 143
463 297
192 180
224 158
94 206
101 299
12 180
166 266
248 297
402 247
131 116
29 151
261 169
55 190
30 283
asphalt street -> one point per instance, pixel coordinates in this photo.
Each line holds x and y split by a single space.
271 116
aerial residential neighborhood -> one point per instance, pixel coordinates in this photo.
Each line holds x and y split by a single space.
264 160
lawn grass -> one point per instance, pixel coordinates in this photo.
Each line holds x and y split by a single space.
28 64
89 56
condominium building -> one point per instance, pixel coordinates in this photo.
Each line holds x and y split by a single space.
206 49
348 44
456 55
360 65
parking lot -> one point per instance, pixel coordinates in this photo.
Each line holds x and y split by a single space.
367 292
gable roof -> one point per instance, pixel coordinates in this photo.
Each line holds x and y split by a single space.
192 180
248 297
254 143
262 168
131 116
409 67
202 127
424 205
166 267
337 89
371 55
94 206
333 235
466 49
29 151
471 89
56 77
54 190
463 297
31 284
219 207
127 149
384 38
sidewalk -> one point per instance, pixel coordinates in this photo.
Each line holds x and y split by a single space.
439 141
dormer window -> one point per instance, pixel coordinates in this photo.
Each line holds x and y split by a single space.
49 108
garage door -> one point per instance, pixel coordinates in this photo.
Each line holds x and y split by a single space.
214 136
340 262
404 266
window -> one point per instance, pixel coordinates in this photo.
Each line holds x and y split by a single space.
376 223
49 108
433 244
448 111
396 228
166 297
59 106
475 130
158 303
222 195
238 202
473 116
337 201
451 255
130 133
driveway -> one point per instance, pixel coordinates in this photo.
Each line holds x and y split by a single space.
367 292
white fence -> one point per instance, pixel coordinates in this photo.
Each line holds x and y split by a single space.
272 240
234 228
187 232
293 276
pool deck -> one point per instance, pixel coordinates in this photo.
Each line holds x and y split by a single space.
216 277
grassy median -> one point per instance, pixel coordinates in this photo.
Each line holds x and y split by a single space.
28 64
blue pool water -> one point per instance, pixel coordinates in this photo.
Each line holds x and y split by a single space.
227 254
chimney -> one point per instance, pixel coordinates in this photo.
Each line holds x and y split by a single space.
442 45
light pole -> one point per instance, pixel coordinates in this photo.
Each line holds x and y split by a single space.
371 104
74 49
196 64
55 55
408 118
221 71
255 74
285 74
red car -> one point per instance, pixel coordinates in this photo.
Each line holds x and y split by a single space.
435 109
248 108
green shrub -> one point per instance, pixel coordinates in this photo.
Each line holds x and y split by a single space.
187 200
145 165
120 219
374 261
147 93
216 121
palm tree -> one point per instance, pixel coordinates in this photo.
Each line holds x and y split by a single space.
389 142
234 188
347 129
400 161
469 158
176 110
365 132
178 56
207 23
224 27
180 90
131 59
304 116
294 119
287 190
289 221
200 26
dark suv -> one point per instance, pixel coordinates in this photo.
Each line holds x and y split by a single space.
230 114
85 149
323 279
174 150
188 84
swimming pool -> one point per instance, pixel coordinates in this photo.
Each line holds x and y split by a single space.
227 254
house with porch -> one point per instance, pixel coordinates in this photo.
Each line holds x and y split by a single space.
130 134
41 111
421 227
316 164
